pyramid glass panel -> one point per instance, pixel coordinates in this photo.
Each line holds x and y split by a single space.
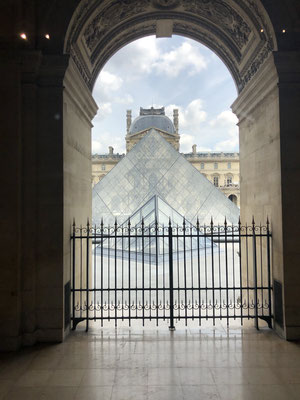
152 216
154 168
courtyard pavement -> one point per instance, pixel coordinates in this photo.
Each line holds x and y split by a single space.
191 363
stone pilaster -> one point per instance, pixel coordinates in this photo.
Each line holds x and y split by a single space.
269 164
128 120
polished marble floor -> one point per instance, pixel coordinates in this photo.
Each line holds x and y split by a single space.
152 363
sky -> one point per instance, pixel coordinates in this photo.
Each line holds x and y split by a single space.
175 73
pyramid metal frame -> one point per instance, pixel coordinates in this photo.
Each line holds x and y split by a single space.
154 167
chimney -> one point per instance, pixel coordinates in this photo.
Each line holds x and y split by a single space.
128 119
175 120
111 150
194 147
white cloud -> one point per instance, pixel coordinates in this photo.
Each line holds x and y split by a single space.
125 99
226 122
135 59
164 70
190 117
101 142
225 118
186 142
106 86
218 134
104 109
185 57
146 56
109 81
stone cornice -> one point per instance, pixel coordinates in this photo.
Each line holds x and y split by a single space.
78 92
264 82
239 31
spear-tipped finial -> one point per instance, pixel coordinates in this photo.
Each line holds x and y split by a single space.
268 222
211 221
239 223
88 222
170 222
253 222
225 222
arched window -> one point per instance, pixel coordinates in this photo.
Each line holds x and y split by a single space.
233 198
229 180
216 180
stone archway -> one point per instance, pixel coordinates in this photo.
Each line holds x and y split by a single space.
242 35
239 32
49 83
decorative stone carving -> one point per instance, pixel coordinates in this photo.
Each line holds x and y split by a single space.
83 8
263 24
111 16
81 66
165 4
219 12
255 65
222 26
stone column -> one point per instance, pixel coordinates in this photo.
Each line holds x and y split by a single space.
11 200
79 108
50 199
288 68
30 64
176 120
269 164
128 120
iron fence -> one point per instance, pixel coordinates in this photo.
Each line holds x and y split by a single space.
171 273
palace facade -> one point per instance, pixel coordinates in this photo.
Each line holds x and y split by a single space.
220 168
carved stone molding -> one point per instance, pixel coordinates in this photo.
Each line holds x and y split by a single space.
113 14
255 65
75 25
221 14
165 4
216 11
238 30
81 65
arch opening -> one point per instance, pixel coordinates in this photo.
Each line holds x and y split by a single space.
98 30
198 123
240 33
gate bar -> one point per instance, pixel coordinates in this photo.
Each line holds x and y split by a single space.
172 326
255 273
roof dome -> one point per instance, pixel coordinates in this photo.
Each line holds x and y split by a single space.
152 118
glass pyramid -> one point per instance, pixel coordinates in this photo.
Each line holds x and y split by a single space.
152 217
153 169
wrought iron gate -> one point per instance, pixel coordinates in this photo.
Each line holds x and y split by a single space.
171 273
